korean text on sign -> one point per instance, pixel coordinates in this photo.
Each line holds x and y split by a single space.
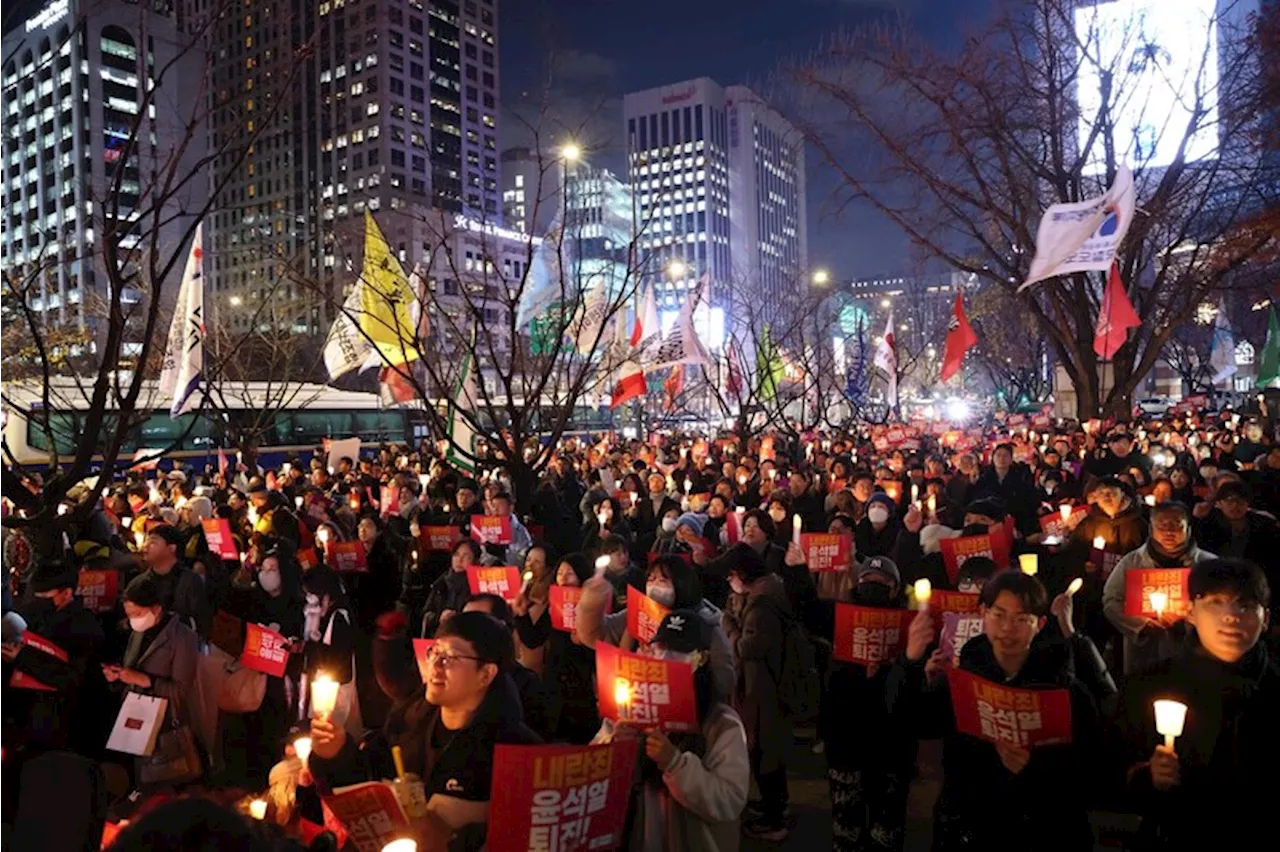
560 798
868 635
1141 583
957 628
644 691
825 551
370 813
265 651
217 533
996 713
440 539
503 580
491 529
564 607
644 615
98 590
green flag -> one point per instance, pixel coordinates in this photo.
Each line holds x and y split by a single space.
461 435
769 365
1269 365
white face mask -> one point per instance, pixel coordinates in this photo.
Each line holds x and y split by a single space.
735 583
663 593
269 581
878 514
143 623
669 525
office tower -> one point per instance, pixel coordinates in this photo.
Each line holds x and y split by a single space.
73 85
719 183
531 183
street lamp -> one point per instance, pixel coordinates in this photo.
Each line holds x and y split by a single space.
677 269
884 303
236 301
571 152
821 277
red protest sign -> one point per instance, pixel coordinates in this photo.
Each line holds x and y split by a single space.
370 813
307 558
826 551
217 532
943 602
994 545
957 628
420 649
440 539
644 614
98 590
996 713
227 632
645 691
564 607
869 634
389 501
264 650
733 527
1141 583
560 797
22 680
348 556
502 580
1051 523
491 529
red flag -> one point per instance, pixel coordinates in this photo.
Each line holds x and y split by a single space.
396 386
646 325
672 386
222 462
960 338
1116 317
734 384
631 384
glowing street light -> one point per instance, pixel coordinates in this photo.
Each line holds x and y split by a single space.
571 152
821 277
885 302
236 301
677 269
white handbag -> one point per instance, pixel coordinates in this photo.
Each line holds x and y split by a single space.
138 725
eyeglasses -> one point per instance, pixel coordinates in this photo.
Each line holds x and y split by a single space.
1024 620
445 660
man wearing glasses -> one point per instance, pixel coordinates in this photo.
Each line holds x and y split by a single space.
447 731
1148 640
1224 759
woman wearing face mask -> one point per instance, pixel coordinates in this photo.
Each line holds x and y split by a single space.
665 539
274 600
693 786
877 533
673 583
870 755
606 519
569 668
328 644
160 659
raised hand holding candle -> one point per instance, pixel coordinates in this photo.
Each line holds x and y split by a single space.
1170 717
1159 600
602 563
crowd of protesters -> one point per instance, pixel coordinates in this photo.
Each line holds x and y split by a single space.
706 527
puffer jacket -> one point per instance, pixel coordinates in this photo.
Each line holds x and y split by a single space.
757 634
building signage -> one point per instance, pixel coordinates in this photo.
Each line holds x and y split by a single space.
50 14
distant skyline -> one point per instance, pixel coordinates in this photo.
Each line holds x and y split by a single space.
577 58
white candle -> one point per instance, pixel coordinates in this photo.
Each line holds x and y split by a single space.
297 502
1065 511
324 696
635 498
1099 543
602 562
1076 585
688 486
1171 716
403 844
924 590
258 809
1159 600
302 748
1029 563
795 527
915 493
621 692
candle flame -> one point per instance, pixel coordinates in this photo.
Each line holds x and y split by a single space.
621 692
1075 586
923 590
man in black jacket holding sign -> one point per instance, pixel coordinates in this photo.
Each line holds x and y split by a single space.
55 717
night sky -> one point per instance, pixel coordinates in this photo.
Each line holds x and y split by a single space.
565 65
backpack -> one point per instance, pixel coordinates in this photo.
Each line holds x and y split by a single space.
799 683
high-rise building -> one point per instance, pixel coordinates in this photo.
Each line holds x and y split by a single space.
391 107
531 184
74 85
719 183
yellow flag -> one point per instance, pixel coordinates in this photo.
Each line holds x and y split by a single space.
385 299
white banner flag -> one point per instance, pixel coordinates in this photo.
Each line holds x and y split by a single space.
184 352
1083 236
346 349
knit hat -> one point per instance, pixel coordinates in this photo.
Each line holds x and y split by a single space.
684 632
880 565
746 563
988 507
693 520
881 497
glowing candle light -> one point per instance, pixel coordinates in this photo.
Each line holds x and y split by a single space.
622 692
1159 600
302 748
1099 543
1076 585
795 527
923 591
258 809
324 695
1065 511
403 844
1170 717
1029 563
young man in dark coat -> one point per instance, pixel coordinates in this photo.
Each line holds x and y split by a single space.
1224 760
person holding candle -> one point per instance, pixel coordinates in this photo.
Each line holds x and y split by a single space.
805 501
328 643
446 732
1041 789
1223 759
1146 640
275 512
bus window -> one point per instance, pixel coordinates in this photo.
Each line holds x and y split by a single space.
310 427
159 432
380 425
65 432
